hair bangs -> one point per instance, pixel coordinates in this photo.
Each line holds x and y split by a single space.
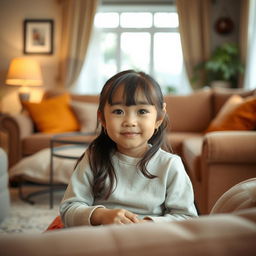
133 84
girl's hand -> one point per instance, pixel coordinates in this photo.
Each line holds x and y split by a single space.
103 216
145 220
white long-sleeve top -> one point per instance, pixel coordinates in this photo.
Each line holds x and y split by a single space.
168 197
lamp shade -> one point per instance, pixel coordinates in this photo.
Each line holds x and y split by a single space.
24 72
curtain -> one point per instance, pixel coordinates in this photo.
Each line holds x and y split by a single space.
243 36
250 74
194 25
77 23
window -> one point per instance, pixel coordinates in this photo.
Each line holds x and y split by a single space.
140 38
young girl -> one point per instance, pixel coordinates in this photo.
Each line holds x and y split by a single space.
124 176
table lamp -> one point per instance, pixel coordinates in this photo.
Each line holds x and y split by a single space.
24 72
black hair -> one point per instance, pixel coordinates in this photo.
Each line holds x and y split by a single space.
103 147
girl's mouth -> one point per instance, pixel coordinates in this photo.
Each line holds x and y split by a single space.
130 134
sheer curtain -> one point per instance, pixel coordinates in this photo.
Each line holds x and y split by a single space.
78 17
194 25
90 78
250 74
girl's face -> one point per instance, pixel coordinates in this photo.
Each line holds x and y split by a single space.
130 127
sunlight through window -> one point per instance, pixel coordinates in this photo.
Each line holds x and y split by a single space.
106 20
135 51
165 20
136 20
140 38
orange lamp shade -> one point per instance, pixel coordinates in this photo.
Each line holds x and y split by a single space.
24 72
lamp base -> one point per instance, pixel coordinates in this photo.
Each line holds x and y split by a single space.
24 96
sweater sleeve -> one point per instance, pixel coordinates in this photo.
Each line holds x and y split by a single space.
77 206
179 202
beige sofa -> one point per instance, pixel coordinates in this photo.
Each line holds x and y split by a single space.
230 230
215 161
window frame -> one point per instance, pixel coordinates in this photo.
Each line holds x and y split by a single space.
152 30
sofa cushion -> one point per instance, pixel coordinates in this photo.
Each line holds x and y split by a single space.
35 142
241 196
53 115
86 114
192 113
221 95
191 151
176 139
236 114
229 106
36 167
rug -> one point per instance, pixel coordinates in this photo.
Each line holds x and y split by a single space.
25 218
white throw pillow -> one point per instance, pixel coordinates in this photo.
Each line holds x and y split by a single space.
86 114
36 168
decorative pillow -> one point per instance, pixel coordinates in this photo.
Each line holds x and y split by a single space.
36 167
53 115
86 114
236 114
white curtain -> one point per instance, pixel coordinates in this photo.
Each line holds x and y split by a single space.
250 74
90 78
78 17
194 26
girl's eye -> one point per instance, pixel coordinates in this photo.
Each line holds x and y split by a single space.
143 111
118 111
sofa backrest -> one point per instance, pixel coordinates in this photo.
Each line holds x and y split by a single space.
76 97
220 96
190 113
187 113
85 98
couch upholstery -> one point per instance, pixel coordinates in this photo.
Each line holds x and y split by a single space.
4 190
239 197
230 234
215 161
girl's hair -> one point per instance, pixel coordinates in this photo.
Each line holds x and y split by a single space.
101 149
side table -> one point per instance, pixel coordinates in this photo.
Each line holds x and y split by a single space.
68 146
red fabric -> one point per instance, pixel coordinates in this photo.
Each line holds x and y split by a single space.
56 224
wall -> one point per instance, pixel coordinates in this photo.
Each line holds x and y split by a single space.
12 15
225 8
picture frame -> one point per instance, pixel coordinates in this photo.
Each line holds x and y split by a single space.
38 36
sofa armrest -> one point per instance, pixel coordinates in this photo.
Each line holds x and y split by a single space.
16 127
230 147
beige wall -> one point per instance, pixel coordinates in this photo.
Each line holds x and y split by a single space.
12 15
226 8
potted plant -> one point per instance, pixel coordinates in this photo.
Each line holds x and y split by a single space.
223 67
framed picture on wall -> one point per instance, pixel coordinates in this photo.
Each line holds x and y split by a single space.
38 36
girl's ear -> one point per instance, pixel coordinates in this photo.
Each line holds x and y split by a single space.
100 118
161 118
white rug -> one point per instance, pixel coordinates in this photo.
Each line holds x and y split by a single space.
25 218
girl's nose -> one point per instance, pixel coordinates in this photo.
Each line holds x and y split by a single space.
129 121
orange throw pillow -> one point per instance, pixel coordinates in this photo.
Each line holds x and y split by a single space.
236 114
53 115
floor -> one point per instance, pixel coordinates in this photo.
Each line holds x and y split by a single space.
24 217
